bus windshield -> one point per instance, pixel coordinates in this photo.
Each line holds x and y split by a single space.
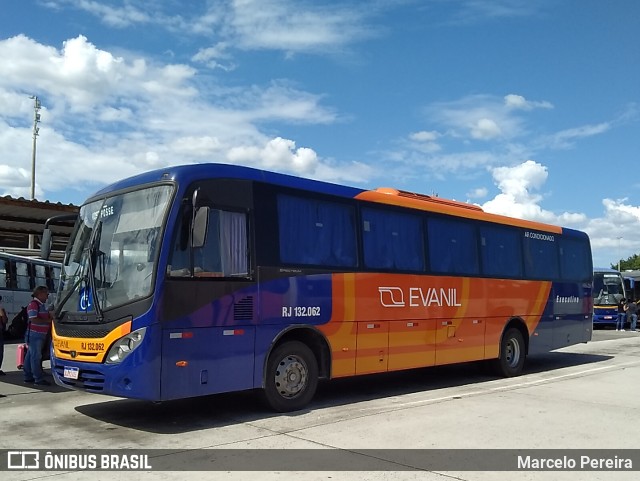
112 252
608 288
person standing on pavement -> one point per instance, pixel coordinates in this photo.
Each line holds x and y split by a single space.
631 309
621 314
37 331
3 324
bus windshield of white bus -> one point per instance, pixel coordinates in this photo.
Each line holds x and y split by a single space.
608 288
113 251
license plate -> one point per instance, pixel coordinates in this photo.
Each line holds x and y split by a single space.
71 372
608 317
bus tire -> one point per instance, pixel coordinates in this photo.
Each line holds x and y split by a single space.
292 377
512 354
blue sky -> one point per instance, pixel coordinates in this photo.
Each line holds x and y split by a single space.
526 108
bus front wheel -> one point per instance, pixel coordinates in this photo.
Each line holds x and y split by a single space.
512 354
292 377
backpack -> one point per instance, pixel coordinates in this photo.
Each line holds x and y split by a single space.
18 325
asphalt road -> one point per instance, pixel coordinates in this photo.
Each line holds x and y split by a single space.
583 398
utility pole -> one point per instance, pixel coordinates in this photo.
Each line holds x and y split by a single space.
619 238
36 120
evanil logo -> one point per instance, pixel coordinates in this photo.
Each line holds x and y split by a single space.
418 297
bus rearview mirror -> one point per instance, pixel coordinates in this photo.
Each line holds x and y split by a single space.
45 245
199 228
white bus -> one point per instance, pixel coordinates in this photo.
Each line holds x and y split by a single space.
19 275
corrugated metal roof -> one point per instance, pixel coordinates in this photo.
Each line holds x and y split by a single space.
21 217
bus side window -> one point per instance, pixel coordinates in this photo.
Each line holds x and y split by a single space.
574 260
224 253
40 276
22 276
392 240
453 248
541 259
316 232
4 273
500 251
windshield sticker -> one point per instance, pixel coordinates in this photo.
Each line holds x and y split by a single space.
106 211
85 302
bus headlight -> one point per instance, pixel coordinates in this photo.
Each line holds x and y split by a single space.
125 346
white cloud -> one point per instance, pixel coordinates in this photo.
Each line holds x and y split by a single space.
276 154
212 57
483 117
424 141
518 181
485 129
566 138
478 117
13 181
295 26
478 193
474 11
513 101
282 101
112 114
613 234
195 147
83 76
123 16
105 117
500 124
449 147
289 25
518 197
424 136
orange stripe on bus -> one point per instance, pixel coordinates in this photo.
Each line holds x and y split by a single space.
385 198
459 319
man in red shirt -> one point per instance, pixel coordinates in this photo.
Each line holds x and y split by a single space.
39 325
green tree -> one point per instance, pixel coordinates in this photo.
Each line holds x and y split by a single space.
632 263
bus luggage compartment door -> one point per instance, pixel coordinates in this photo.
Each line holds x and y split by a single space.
208 360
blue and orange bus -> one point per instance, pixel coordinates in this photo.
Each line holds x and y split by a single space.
202 279
608 289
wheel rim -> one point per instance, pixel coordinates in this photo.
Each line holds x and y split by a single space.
291 376
512 353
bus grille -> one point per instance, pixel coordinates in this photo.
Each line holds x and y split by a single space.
88 380
65 330
243 309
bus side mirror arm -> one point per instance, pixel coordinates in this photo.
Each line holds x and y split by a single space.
47 235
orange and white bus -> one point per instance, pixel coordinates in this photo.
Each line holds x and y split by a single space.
202 279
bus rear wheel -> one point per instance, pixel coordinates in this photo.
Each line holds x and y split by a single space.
512 354
292 377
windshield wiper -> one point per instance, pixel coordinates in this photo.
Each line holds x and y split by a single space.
74 255
58 312
87 274
94 252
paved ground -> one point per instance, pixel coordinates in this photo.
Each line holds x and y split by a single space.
583 397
